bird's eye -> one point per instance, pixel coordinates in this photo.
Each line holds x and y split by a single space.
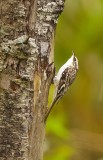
74 58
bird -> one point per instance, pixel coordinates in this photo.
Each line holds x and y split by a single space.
63 80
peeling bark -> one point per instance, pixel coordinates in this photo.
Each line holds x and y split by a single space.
27 29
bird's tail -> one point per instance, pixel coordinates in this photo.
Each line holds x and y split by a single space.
55 101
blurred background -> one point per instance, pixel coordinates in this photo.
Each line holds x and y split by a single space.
74 129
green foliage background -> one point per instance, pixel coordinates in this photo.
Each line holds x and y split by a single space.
80 29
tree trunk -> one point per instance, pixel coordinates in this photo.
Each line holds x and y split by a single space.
27 30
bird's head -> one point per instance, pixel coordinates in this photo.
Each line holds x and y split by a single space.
74 60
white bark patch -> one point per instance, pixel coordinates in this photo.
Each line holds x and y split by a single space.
42 30
45 75
21 39
34 48
44 48
31 42
50 7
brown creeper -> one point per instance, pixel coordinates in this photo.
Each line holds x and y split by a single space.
63 80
